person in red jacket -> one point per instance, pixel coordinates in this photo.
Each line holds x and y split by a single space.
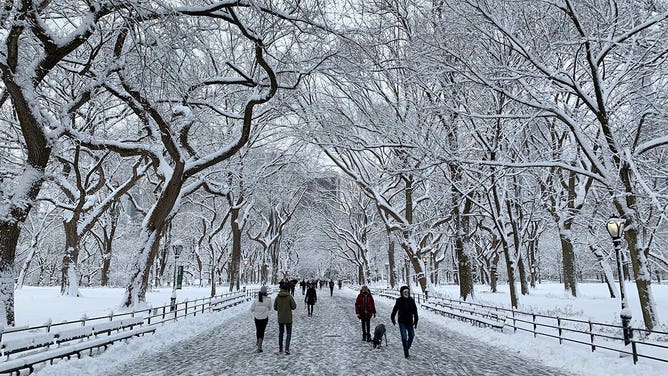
365 308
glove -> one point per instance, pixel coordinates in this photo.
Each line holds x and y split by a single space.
359 317
374 315
394 322
415 325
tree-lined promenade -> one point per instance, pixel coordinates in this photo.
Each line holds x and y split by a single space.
472 141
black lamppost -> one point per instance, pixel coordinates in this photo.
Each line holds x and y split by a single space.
178 247
425 259
615 227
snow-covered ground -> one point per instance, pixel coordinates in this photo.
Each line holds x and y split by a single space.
328 343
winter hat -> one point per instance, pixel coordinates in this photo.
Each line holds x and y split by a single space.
401 290
263 290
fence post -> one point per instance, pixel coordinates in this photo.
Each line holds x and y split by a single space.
83 319
591 336
163 313
514 322
559 328
186 314
633 346
534 324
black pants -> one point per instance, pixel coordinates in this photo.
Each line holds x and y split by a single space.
310 309
366 326
260 326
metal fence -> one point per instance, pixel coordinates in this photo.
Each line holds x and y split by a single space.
596 335
152 315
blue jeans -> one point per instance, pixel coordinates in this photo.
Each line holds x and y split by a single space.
407 335
281 328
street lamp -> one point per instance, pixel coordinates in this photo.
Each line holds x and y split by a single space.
425 259
615 227
178 248
246 262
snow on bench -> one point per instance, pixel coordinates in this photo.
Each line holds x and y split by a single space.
107 327
69 351
10 346
475 316
132 322
72 334
224 303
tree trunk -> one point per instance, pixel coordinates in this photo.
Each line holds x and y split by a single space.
568 259
233 276
69 278
149 238
26 266
643 280
524 285
465 273
390 258
510 269
608 276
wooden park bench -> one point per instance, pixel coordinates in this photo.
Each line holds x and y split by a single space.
475 315
228 301
46 347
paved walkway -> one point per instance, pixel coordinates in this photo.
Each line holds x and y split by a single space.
329 343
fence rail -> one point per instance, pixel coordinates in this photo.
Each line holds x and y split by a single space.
30 345
595 335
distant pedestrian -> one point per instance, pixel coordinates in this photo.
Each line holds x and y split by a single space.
408 318
284 304
260 309
340 284
331 287
310 299
293 284
302 284
364 309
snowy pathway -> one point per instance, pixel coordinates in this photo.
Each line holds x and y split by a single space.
329 343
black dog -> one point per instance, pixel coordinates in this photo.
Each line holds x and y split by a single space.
378 335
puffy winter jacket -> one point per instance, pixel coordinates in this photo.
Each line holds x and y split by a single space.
364 305
407 311
260 309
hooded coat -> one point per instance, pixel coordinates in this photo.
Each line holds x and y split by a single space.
311 296
364 305
406 308
284 304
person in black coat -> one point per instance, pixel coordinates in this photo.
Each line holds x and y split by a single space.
408 318
310 298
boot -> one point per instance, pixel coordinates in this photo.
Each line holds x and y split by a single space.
287 351
259 344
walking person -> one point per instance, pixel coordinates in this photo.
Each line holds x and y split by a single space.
284 304
260 309
340 284
364 309
408 318
310 299
331 287
302 284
